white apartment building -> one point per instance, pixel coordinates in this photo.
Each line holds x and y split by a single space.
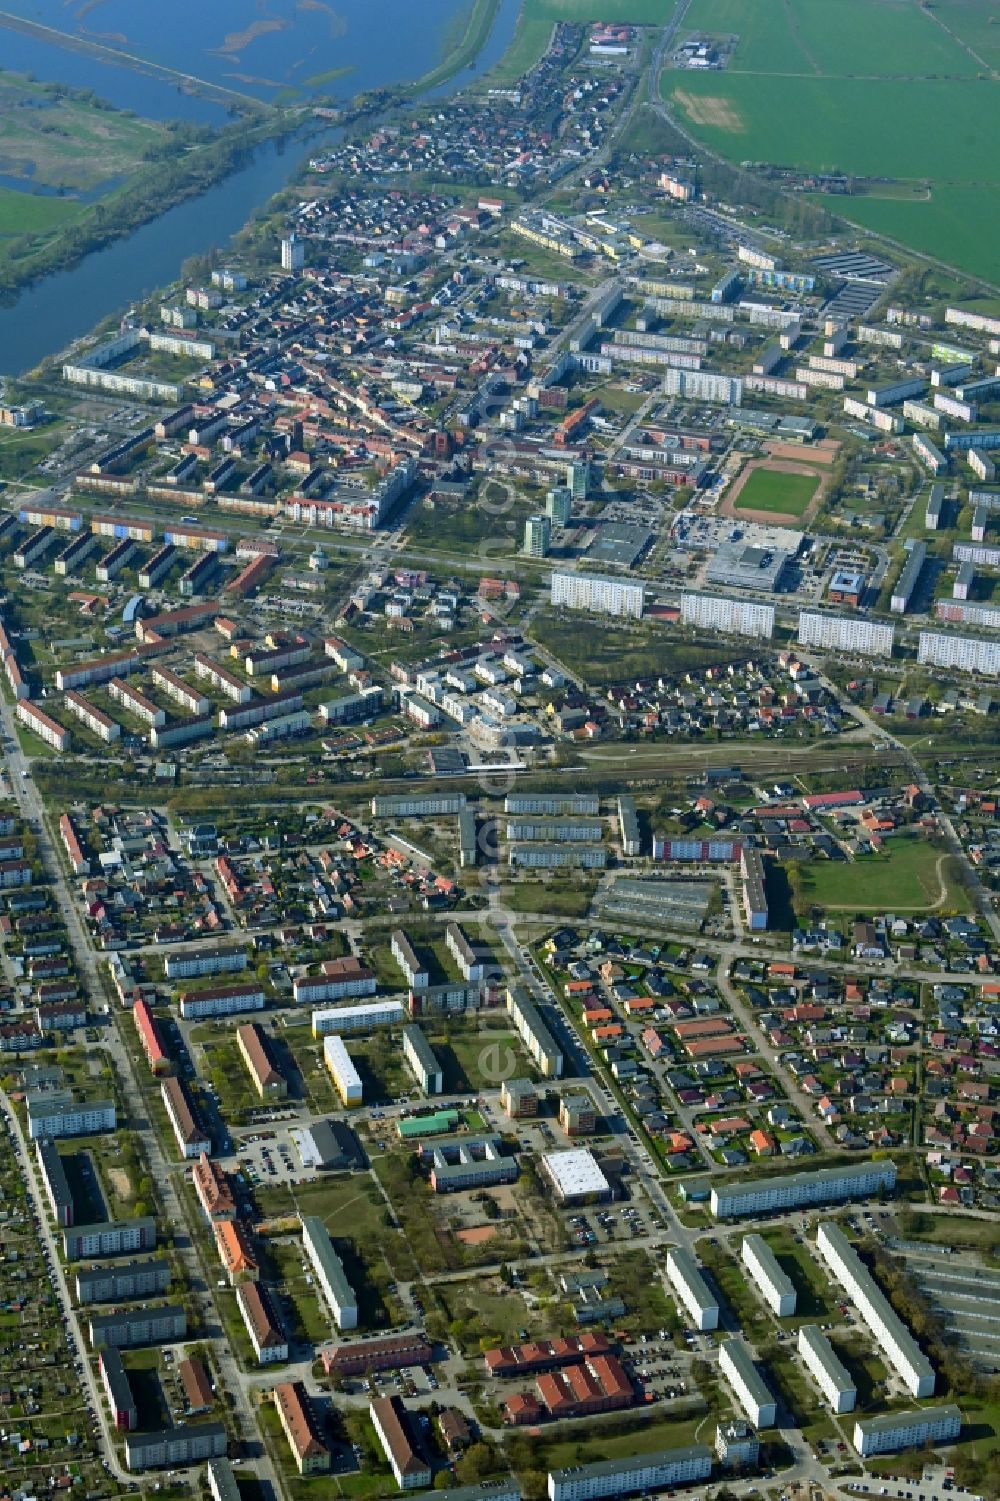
603 596
895 1340
401 949
629 1477
704 385
365 1018
471 967
684 1276
907 1430
963 653
776 1287
738 617
342 1071
329 1270
846 633
820 1360
751 1390
62 1118
825 1185
420 1056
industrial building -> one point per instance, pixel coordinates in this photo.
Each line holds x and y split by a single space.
738 1366
907 1430
685 1277
575 1176
895 1340
826 1185
775 1285
820 1360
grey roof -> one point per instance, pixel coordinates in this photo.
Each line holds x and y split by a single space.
888 1422
656 1460
826 1357
320 1246
747 1369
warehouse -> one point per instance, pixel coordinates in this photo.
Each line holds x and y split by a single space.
685 1277
329 1270
907 1430
900 1348
820 1360
741 565
830 1185
342 1071
739 1369
776 1287
576 1177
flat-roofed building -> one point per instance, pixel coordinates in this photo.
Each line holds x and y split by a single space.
392 1424
262 1323
575 1176
222 1484
685 1277
895 1340
776 1287
820 1360
518 1099
420 1056
257 1053
298 1420
329 1272
646 1473
470 964
740 1370
417 976
830 1185
364 1018
55 1182
130 1279
111 1238
737 1446
533 1032
184 1444
907 1430
140 1326
345 1076
114 1379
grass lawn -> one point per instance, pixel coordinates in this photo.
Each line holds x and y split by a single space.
619 653
807 1277
909 875
771 490
558 898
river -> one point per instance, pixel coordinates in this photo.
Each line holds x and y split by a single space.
49 316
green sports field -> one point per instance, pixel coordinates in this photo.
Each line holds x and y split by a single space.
885 88
782 494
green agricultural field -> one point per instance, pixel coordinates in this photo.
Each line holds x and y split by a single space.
771 490
867 84
909 875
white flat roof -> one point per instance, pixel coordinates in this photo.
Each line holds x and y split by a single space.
575 1173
